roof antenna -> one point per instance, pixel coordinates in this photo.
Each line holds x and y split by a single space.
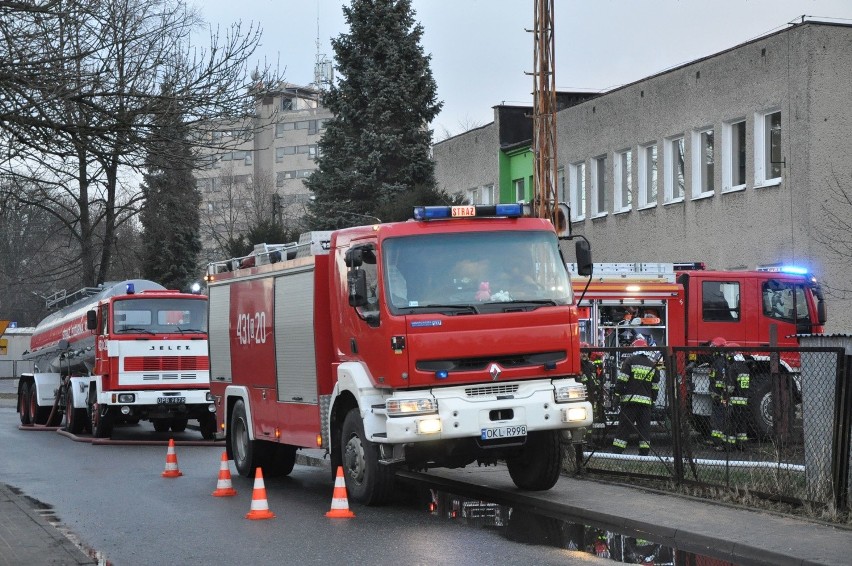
323 69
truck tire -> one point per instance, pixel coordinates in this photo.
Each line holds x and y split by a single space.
246 452
75 419
161 425
538 465
179 424
24 403
367 481
207 426
38 415
101 424
278 459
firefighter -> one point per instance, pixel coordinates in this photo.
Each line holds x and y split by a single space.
738 382
590 376
721 387
638 385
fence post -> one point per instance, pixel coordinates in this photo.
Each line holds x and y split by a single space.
673 381
842 434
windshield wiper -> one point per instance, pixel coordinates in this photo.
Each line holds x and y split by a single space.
127 329
454 308
188 329
549 302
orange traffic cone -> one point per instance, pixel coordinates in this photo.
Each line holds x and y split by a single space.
259 505
339 501
223 485
172 470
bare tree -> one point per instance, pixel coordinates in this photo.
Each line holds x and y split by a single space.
835 232
224 221
78 106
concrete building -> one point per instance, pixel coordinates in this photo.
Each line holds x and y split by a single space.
257 168
13 343
739 159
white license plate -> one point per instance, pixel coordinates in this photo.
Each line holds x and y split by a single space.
498 432
170 400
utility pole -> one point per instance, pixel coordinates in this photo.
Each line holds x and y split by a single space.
545 203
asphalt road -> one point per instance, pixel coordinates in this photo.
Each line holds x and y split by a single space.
114 500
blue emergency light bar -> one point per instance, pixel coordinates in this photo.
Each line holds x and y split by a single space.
468 211
792 269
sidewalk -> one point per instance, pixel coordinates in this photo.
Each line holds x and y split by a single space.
27 538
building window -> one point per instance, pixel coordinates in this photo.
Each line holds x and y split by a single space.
648 175
488 194
577 189
703 163
599 186
623 181
674 157
288 104
767 148
518 185
734 167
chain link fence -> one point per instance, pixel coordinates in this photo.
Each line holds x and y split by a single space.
770 422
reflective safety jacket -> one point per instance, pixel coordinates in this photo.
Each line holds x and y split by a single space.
638 380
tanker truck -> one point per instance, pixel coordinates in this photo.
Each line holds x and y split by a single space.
120 353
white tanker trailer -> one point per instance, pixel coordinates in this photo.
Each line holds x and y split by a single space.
121 352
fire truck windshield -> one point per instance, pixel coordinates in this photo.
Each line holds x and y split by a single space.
159 316
474 269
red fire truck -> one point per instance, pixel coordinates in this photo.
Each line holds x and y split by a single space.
687 305
441 341
122 352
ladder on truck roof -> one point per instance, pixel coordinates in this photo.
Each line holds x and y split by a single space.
646 271
309 244
63 298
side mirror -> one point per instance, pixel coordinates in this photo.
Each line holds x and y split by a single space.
821 318
584 258
92 320
353 258
357 281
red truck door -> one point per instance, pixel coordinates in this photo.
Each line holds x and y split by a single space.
782 303
717 306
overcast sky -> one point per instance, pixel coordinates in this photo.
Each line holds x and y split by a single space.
480 48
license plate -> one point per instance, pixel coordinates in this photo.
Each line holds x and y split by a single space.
170 400
498 432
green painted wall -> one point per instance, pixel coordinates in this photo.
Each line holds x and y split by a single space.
515 164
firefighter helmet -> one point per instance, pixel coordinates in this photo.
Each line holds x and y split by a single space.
718 342
639 343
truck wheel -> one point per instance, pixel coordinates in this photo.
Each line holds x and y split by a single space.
38 415
207 426
367 481
246 452
179 424
760 406
101 424
24 403
75 419
279 460
538 465
161 425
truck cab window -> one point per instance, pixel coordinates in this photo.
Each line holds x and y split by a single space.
784 301
720 301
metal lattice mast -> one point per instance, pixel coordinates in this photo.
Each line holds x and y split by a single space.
544 114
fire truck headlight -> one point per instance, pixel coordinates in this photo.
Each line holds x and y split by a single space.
126 398
211 407
428 426
408 407
569 393
574 414
209 397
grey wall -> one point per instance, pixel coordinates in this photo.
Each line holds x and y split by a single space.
468 160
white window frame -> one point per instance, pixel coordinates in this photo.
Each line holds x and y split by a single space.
598 186
762 149
646 151
519 188
671 171
699 182
623 185
577 190
728 162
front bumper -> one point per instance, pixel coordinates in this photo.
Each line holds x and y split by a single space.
464 411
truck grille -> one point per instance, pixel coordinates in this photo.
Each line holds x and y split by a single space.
167 363
486 390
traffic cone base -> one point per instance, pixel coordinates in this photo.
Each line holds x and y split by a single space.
224 488
259 505
339 500
171 470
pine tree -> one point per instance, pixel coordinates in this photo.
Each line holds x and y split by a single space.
376 147
170 215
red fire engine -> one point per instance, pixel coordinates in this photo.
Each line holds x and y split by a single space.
687 305
441 341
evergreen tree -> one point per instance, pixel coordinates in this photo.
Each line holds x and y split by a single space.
376 147
170 213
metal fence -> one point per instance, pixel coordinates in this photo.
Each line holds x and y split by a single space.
769 422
